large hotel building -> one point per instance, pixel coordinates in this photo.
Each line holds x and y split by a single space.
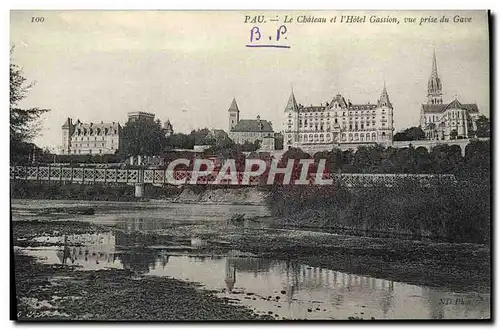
337 122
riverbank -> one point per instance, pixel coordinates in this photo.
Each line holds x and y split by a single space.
459 267
125 193
49 292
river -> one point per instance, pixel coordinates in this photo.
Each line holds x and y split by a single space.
284 288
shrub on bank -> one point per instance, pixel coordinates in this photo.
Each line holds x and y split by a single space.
456 212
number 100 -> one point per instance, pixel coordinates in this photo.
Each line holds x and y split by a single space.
37 19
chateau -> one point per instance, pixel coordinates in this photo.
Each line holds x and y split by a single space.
445 121
81 138
337 122
251 130
102 138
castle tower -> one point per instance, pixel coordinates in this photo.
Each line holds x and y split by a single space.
234 114
67 131
384 99
291 123
434 87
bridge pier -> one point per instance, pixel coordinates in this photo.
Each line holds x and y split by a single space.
139 190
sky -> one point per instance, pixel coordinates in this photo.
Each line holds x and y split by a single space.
186 66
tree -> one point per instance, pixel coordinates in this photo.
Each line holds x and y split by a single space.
200 136
143 138
278 142
24 124
180 141
410 134
483 126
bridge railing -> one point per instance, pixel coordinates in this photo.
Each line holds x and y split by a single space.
132 176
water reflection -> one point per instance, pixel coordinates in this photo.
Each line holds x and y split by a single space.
300 288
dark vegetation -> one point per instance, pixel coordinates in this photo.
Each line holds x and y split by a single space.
450 211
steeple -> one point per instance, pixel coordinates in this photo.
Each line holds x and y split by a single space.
234 114
292 104
434 87
384 98
234 106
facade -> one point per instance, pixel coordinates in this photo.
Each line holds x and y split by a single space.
337 122
445 121
140 115
92 139
251 130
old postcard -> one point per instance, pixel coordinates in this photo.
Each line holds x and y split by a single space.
250 165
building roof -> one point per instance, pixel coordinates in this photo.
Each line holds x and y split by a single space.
340 100
218 134
253 125
291 104
168 125
455 104
67 123
94 129
140 113
234 106
362 106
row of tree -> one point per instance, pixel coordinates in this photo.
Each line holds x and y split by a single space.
143 137
442 159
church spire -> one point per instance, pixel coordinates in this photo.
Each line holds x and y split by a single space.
292 104
434 72
434 87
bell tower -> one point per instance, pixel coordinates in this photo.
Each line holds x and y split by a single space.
234 114
434 87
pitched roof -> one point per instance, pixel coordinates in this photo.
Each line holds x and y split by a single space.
362 106
67 123
455 104
340 100
234 106
384 98
87 128
253 125
218 134
291 104
433 108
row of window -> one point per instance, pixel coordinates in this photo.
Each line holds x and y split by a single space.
355 127
88 138
344 137
97 131
79 151
88 145
327 114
